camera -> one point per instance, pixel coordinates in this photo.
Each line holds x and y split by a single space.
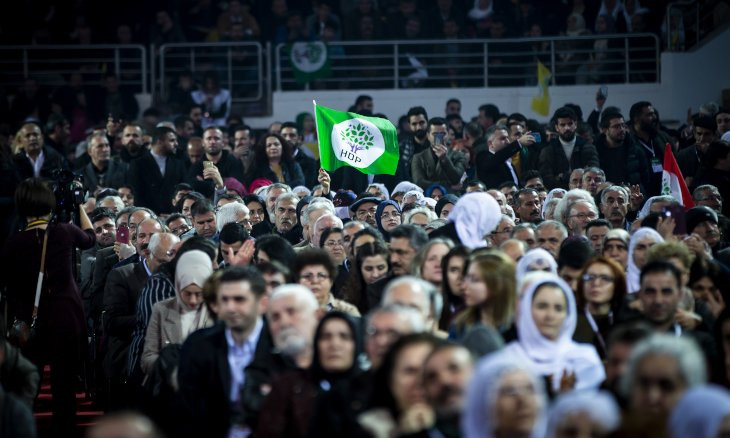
68 189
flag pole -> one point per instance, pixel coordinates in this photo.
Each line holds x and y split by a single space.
316 129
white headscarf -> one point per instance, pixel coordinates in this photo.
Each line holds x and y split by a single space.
546 357
417 193
700 412
405 186
193 267
475 215
551 194
633 273
599 406
477 420
541 260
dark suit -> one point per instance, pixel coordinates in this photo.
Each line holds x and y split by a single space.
310 168
151 188
114 176
52 160
106 258
492 168
205 381
123 287
555 167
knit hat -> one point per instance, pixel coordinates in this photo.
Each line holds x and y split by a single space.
697 215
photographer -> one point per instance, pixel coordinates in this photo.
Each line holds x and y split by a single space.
57 336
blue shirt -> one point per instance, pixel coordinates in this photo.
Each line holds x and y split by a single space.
239 357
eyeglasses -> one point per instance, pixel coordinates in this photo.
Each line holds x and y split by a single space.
623 126
584 216
600 278
309 278
365 213
506 230
386 216
182 229
334 243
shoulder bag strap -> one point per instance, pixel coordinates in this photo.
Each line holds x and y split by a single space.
40 277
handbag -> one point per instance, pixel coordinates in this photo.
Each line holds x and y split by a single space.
21 333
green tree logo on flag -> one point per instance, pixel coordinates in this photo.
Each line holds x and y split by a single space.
309 61
357 142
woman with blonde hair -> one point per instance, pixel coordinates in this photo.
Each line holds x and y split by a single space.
489 295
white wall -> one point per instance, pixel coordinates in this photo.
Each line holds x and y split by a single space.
687 80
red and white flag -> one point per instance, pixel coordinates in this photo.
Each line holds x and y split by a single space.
673 183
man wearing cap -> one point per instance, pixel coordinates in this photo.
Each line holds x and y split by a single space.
702 221
364 210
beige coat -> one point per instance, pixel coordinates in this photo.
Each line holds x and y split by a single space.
164 329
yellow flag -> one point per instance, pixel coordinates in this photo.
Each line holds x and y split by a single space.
541 102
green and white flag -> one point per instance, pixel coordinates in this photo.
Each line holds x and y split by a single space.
369 144
309 61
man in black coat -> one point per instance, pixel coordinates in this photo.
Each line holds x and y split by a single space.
621 159
36 160
410 146
309 165
226 164
102 171
565 153
494 166
210 388
154 175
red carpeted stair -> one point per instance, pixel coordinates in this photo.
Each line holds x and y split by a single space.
86 414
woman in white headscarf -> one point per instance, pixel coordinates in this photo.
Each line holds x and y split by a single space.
639 246
599 408
504 398
175 318
474 216
701 413
536 259
545 325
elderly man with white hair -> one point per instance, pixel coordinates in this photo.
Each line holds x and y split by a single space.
292 317
325 221
384 325
418 294
113 203
233 212
316 208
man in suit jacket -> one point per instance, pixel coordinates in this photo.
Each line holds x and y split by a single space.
102 171
210 387
494 166
154 175
438 164
565 153
36 160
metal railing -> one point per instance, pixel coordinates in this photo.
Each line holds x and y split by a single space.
687 22
240 67
626 58
53 65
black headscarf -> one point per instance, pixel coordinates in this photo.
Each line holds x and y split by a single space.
320 373
441 203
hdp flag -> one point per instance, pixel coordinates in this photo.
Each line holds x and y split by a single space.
309 61
673 183
541 102
369 144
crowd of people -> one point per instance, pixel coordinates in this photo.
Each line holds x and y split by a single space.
510 279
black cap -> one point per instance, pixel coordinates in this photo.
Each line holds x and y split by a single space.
697 215
359 202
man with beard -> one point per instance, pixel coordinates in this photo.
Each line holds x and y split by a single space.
615 205
439 163
154 175
291 314
212 361
688 159
310 169
580 213
526 204
446 373
243 142
410 146
645 133
132 142
35 159
621 159
106 231
566 152
204 176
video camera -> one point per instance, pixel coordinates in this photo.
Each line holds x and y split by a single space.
68 189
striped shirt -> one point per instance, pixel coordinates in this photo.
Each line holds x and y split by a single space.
159 287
